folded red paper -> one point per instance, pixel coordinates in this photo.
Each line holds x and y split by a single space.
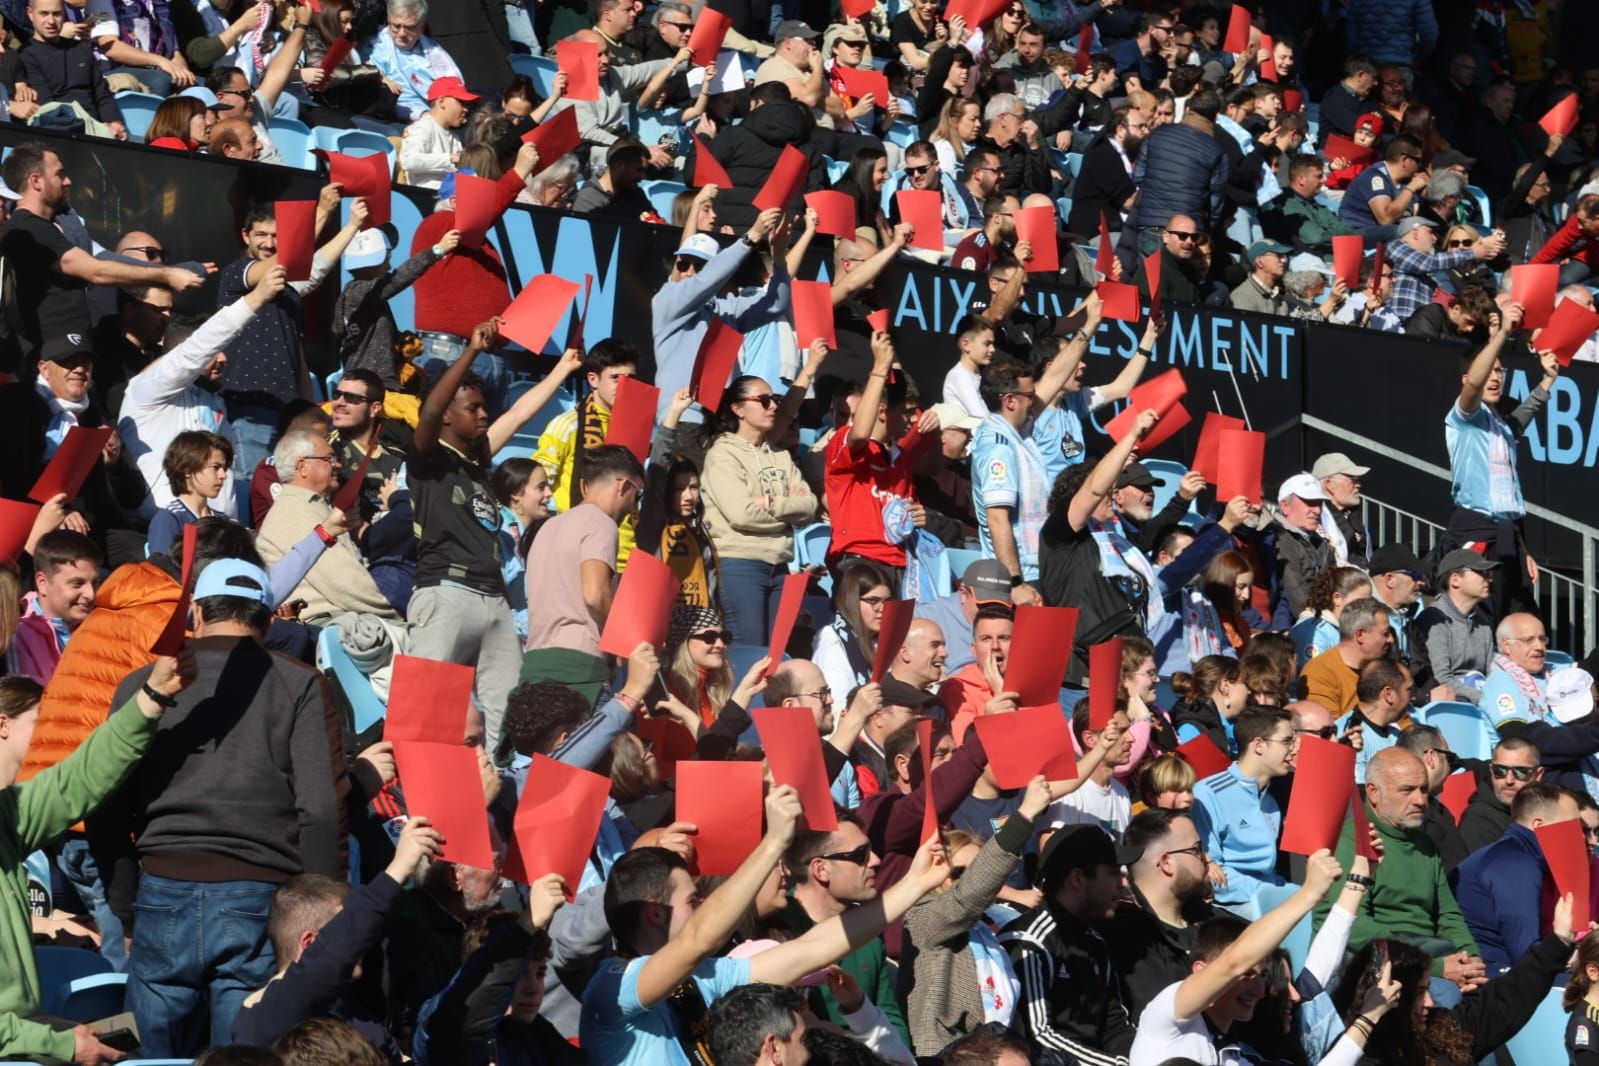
532 316
1037 226
1268 66
554 137
794 753
1104 682
1205 454
557 819
896 622
365 176
1085 49
1569 327
296 221
1026 743
1561 119
788 609
642 609
717 357
1152 272
1106 255
580 62
349 493
858 83
337 52
1159 394
1121 300
1204 756
878 320
923 210
1348 250
16 522
1566 852
705 40
1239 23
170 642
707 170
924 741
633 416
69 467
1319 802
724 801
426 722
1040 648
786 179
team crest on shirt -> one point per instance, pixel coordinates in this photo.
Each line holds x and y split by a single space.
485 510
1580 1039
996 469
1506 703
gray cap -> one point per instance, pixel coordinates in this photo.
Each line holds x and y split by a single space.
794 28
1415 222
989 581
1464 559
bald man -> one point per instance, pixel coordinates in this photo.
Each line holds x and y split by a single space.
800 683
1517 687
1432 748
920 660
1409 896
235 138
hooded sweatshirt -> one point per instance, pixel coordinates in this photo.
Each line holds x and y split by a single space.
739 479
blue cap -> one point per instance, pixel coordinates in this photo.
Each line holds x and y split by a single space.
447 186
234 577
205 96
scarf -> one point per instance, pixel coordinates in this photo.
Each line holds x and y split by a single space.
922 549
254 44
1120 559
592 422
1202 627
1525 682
1334 535
996 980
63 414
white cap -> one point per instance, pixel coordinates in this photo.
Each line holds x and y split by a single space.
1570 694
1304 486
954 416
370 248
8 192
701 246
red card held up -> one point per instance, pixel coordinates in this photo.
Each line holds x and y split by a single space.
1293 100
1567 855
705 41
1040 648
725 802
1348 251
1357 810
531 317
1036 226
554 137
835 212
813 312
1205 454
1320 798
1559 121
1120 299
856 8
897 618
1340 147
977 13
1268 66
858 83
296 237
633 418
442 783
1204 756
924 741
1104 682
1533 285
336 54
428 701
170 642
1239 455
1171 423
1159 394
69 467
477 206
1152 274
1569 327
1239 24
1106 256
794 752
557 819
16 522
923 210
707 171
1026 743
1379 263
1085 49
365 176
642 610
580 62
787 178
878 320
788 609
1457 792
717 357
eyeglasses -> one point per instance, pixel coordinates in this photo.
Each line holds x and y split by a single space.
330 459
824 694
1326 732
1522 773
404 27
1023 395
712 636
350 397
686 263
992 170
629 485
1196 850
874 601
858 856
1466 242
1182 235
1151 673
765 399
917 172
149 251
1288 741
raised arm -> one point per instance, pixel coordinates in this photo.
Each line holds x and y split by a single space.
431 416
1099 483
1123 383
1482 364
1060 369
864 275
281 69
533 400
860 427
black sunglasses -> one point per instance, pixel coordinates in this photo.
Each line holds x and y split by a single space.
858 856
1326 732
711 636
765 399
350 397
149 251
688 262
1523 773
1182 235
684 27
917 172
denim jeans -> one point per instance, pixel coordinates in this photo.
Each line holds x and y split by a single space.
77 865
198 949
254 432
750 590
440 350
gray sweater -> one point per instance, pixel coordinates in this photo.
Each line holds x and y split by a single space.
1455 644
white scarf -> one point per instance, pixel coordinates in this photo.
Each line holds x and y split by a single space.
1334 535
63 414
996 980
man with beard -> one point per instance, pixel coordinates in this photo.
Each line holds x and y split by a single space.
979 250
1104 185
1236 816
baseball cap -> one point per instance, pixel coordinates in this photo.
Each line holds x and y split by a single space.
1371 120
66 347
1449 157
1260 248
626 146
205 96
453 88
1304 486
234 577
1463 559
1413 223
989 581
1136 475
848 31
953 416
794 28
897 693
700 246
370 248
1570 694
1337 463
1081 847
1393 558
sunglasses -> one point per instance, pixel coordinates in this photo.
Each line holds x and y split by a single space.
149 251
917 172
687 262
858 856
242 94
711 636
1182 235
1326 732
350 397
1522 773
681 27
1459 243
765 399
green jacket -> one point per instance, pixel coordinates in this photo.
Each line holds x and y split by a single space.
1410 900
868 964
1315 223
31 816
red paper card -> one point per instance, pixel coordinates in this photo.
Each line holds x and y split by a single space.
1171 423
1152 276
1026 743
1379 263
1569 327
794 752
365 176
1533 285
69 467
531 317
856 8
1036 226
557 819
813 313
1205 454
1159 394
442 782
924 741
1341 147
1204 756
1085 49
724 801
788 609
336 54
717 357
705 41
1357 811
923 209
1268 66
1559 121
896 622
170 642
1104 682
1348 250
1040 648
787 178
296 221
350 492
1107 251
1319 802
554 137
16 522
1567 855
835 212
707 171
477 206
633 418
1293 99
428 701
1457 792
857 83
878 320
642 609
977 13
575 335
1238 27
580 62
1239 455
1121 300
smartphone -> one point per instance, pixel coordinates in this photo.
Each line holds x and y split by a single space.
120 1040
655 697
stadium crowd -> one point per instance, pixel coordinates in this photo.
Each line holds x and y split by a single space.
837 716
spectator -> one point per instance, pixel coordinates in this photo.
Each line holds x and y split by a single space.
796 64
138 37
1454 633
1347 101
1105 187
1524 213
1396 579
1182 170
1303 552
1010 484
966 693
432 147
875 768
1236 816
1016 142
1402 34
1340 519
409 60
1517 686
800 683
919 662
1513 765
1491 136
1382 701
197 464
616 194
960 120
66 568
758 1025
362 320
570 435
182 123
1141 62
1332 678
1314 223
258 94
603 122
1385 193
1262 291
979 251
1575 245
922 173
1417 265
1099 799
845 649
61 70
1439 823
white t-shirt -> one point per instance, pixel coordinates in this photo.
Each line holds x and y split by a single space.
1161 1036
1107 806
961 388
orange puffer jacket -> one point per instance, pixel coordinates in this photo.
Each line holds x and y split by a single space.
130 611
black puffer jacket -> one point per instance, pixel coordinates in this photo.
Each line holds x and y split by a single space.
749 151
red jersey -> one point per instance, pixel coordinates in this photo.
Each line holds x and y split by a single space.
860 480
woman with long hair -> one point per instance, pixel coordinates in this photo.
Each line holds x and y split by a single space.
1318 631
863 182
671 523
351 87
699 689
960 122
1215 605
1208 699
182 124
755 497
845 649
1581 1000
639 801
522 488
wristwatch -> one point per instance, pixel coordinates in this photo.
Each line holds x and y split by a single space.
1359 879
1017 581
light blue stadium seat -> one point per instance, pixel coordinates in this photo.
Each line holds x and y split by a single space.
1462 724
59 967
902 133
1556 660
366 710
137 111
1544 1033
525 441
836 169
541 69
331 382
365 142
661 194
959 559
1484 206
294 141
810 545
740 657
651 126
326 138
1167 474
94 997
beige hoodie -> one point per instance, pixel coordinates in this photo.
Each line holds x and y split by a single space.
737 476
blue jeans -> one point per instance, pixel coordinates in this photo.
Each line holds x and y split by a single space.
750 591
198 949
254 432
440 350
77 865
159 82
